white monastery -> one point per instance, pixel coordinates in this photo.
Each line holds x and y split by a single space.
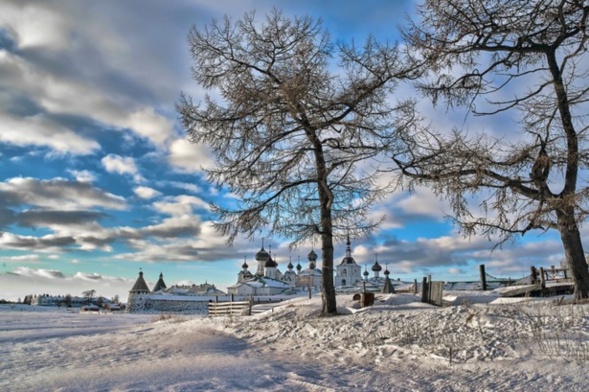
266 280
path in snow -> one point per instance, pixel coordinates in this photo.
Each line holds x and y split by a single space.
397 345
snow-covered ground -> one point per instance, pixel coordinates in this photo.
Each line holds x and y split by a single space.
399 344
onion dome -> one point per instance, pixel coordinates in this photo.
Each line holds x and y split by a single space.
348 259
386 272
290 266
312 256
376 267
365 273
299 267
262 255
244 265
270 263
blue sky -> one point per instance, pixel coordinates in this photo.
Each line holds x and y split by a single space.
97 180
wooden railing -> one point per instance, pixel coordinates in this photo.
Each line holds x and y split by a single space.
543 275
233 308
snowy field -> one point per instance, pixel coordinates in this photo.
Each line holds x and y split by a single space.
482 344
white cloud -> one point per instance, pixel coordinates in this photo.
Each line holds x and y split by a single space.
36 26
57 194
83 175
41 272
180 205
113 163
31 258
39 131
188 156
148 124
66 96
423 202
145 192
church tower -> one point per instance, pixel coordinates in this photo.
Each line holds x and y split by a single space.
135 300
262 257
347 272
160 285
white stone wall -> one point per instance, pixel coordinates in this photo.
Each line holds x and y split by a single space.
144 304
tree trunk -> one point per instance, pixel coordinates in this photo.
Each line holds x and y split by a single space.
573 250
327 287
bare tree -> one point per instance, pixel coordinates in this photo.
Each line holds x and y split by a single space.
496 56
89 294
294 138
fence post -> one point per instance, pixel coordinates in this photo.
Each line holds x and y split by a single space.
542 278
483 277
424 288
533 278
415 286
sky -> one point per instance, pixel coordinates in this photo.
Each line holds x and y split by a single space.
97 179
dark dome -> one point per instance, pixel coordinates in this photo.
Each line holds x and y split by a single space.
376 267
386 272
289 266
244 265
348 260
365 273
299 267
270 263
262 255
312 256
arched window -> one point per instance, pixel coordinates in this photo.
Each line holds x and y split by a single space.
345 272
343 282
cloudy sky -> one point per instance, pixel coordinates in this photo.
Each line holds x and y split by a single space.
97 179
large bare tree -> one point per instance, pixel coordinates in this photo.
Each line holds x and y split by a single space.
496 57
294 132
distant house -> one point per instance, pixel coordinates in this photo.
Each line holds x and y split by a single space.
259 285
89 308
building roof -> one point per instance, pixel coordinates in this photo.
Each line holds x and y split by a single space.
348 259
160 285
270 263
387 287
140 286
262 255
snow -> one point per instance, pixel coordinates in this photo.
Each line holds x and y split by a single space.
399 344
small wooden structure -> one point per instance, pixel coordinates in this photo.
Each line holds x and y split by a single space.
233 308
432 292
544 282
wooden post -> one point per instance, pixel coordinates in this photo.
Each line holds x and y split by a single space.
483 277
424 293
231 297
415 286
533 275
542 278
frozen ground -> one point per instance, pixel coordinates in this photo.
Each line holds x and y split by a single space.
397 345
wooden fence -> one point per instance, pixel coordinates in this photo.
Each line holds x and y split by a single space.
542 276
432 291
233 308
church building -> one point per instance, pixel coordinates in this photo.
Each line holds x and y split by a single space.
347 273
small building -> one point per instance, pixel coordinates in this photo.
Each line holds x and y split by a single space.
347 273
259 285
